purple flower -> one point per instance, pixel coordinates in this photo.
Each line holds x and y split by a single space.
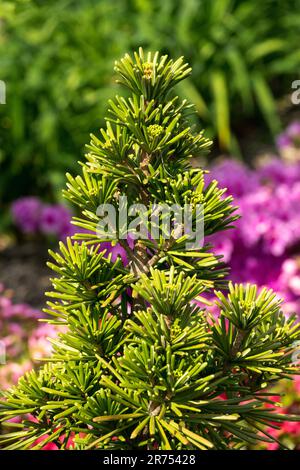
293 130
68 230
283 141
26 213
115 251
54 219
290 137
255 221
222 245
32 216
234 176
258 251
277 171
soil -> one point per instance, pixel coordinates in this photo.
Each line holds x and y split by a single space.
24 273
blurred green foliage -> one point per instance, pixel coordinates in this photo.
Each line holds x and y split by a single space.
56 57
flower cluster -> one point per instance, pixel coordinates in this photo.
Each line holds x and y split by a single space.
290 137
263 249
22 341
288 142
269 203
32 216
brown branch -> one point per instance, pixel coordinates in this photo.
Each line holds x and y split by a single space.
237 343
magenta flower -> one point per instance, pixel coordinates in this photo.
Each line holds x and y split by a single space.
260 249
277 172
222 245
234 176
115 251
290 137
26 213
283 141
293 130
54 219
50 222
32 216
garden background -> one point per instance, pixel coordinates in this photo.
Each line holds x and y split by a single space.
56 61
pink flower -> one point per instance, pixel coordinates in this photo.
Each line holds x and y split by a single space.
289 427
222 245
48 446
296 382
39 345
11 372
293 130
272 446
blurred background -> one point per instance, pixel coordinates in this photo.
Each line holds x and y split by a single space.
56 61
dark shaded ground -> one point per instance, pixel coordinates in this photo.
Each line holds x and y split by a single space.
23 270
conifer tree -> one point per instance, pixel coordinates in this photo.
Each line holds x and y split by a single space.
143 364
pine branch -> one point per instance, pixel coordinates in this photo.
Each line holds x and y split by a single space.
142 363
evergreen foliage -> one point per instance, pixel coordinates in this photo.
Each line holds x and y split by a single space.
143 364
